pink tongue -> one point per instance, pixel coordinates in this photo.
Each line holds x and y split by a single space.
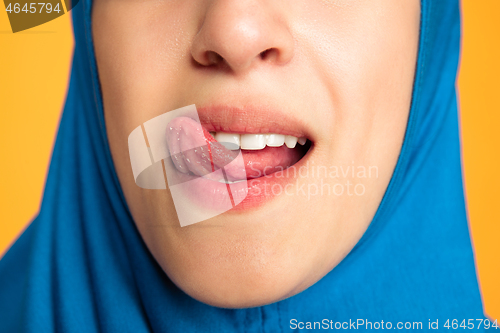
193 149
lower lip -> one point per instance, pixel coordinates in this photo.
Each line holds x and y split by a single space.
243 196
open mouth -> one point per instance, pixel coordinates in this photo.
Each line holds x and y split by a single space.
223 158
265 154
216 159
198 152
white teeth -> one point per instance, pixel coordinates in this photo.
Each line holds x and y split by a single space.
229 140
234 141
290 141
275 140
253 141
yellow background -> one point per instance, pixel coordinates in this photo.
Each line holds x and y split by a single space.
34 72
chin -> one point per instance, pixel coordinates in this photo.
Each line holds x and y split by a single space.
240 283
229 262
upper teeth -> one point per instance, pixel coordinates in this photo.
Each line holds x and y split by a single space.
256 141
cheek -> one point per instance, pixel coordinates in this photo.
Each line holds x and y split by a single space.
141 51
363 48
139 55
365 53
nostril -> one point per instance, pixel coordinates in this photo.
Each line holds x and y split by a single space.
265 54
213 58
271 54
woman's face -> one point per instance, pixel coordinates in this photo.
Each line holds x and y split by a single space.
337 72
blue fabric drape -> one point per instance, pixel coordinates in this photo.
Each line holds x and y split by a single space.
81 265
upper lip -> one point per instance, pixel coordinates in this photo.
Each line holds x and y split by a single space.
250 120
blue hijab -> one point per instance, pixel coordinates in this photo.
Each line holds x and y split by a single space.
81 266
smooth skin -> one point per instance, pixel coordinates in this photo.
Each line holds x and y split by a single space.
344 68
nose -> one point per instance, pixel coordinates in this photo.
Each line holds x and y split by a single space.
240 34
